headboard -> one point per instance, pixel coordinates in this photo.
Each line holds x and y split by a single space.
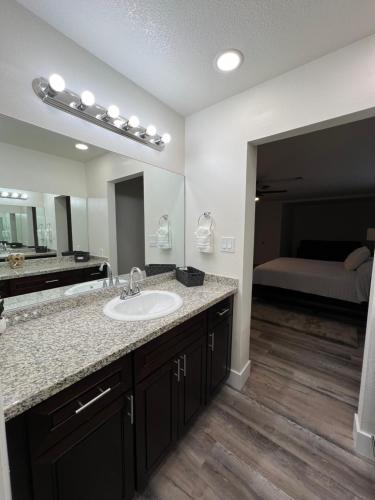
326 250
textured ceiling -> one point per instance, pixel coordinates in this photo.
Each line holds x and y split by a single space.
333 162
28 136
168 46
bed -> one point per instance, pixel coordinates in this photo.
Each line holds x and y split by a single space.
314 281
316 277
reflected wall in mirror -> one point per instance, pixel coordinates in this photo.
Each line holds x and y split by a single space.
46 225
101 204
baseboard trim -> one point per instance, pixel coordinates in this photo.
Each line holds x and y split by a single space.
237 379
362 440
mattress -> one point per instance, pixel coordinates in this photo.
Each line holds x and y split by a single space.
317 277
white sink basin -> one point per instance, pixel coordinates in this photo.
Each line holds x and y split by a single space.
86 287
149 304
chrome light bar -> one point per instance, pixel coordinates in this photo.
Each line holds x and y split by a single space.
109 118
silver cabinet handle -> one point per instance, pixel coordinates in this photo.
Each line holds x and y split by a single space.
183 357
131 411
95 274
224 311
93 400
177 374
52 281
212 345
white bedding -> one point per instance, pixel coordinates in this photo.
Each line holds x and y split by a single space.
318 277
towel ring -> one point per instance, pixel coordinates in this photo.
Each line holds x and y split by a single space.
165 217
207 215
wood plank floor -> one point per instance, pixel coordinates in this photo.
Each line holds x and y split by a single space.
288 434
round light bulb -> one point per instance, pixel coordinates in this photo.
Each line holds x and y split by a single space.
229 60
15 195
5 194
56 82
113 111
82 147
24 196
133 121
151 130
87 98
166 138
257 198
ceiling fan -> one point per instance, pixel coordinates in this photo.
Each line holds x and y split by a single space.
263 185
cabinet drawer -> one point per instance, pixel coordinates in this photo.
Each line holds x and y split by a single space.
51 420
30 284
153 355
220 311
93 273
4 289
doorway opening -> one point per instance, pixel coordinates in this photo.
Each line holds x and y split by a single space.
313 257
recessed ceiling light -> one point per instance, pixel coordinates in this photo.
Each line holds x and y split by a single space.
82 147
229 60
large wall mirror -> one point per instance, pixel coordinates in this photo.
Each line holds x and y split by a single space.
64 211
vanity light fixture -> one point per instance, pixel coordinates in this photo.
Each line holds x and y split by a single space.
14 195
82 147
54 93
229 60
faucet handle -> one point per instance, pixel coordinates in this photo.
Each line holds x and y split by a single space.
117 281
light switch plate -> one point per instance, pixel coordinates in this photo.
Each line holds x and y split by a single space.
152 240
228 244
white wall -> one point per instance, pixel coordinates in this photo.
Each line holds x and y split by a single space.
29 170
31 48
221 176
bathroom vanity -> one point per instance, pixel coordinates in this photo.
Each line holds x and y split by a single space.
93 405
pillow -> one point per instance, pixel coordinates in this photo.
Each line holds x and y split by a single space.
356 258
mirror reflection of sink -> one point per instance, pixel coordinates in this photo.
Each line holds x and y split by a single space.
149 304
86 287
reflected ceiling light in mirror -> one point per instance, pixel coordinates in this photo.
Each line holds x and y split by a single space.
82 147
54 93
14 195
229 60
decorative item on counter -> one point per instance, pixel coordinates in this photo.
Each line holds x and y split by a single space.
41 249
154 269
3 321
164 234
204 235
16 260
189 276
80 256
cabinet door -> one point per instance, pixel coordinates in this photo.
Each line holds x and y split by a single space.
93 462
219 354
192 383
156 414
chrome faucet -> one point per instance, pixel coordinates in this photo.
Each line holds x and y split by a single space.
109 273
133 287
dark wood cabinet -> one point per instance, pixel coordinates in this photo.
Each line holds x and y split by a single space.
93 462
192 383
106 434
29 284
156 400
219 346
4 289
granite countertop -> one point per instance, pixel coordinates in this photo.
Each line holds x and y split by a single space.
33 267
40 357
